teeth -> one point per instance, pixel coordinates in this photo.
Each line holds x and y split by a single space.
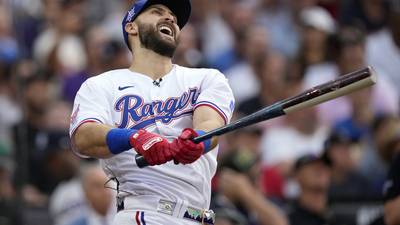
166 30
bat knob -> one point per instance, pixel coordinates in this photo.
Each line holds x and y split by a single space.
141 161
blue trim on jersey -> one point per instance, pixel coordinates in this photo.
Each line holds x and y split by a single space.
142 218
118 140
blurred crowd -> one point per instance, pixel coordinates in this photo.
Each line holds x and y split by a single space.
323 165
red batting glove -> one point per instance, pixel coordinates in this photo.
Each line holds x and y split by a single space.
154 148
186 150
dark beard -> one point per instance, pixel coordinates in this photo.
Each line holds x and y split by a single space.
152 40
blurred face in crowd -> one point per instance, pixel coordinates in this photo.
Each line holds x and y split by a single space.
37 96
314 176
158 30
99 197
272 71
72 20
314 38
352 57
242 17
343 157
256 43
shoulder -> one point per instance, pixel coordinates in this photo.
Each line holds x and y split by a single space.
199 71
106 78
108 75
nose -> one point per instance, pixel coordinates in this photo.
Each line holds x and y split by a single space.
170 18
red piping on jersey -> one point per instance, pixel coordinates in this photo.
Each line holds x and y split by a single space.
137 218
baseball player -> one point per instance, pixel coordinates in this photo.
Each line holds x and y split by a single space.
154 108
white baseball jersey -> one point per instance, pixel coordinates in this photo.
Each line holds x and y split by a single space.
127 99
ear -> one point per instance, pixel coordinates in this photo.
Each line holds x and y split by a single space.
131 28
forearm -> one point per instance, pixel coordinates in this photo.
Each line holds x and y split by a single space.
207 119
208 126
267 213
90 140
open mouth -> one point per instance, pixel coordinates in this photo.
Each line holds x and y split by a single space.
166 30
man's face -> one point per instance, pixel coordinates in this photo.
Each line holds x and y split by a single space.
158 30
314 177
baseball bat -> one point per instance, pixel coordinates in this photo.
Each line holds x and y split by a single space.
343 85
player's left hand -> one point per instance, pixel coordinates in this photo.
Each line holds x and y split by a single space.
186 150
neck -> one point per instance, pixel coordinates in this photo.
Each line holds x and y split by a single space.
314 201
149 63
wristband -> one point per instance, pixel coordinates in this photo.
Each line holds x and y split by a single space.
207 143
118 140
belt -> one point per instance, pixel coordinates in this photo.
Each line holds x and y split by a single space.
179 209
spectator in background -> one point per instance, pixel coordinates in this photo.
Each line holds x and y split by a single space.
238 190
383 47
346 182
270 71
276 16
317 28
253 47
312 174
10 211
368 13
9 51
99 199
299 134
349 55
59 48
389 149
221 38
30 138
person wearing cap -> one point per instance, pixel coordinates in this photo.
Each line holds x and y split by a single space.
317 27
346 181
312 174
154 109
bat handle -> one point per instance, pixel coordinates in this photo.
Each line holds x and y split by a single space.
141 161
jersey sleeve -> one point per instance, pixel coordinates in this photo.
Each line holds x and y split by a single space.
90 105
216 93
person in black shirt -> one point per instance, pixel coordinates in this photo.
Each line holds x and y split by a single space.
390 151
313 176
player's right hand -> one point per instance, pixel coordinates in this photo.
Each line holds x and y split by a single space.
154 148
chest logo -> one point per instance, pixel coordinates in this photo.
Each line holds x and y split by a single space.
137 114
